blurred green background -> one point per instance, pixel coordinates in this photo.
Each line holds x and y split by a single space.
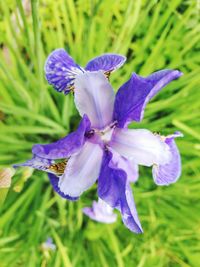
153 35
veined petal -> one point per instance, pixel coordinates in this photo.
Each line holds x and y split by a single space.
54 182
165 174
132 97
66 146
101 212
37 163
44 165
106 62
94 96
141 146
128 166
60 70
114 189
82 170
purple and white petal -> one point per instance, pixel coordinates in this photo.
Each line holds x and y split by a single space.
37 163
141 146
106 63
66 146
101 212
60 70
114 189
129 166
94 96
43 165
82 170
165 174
54 182
132 97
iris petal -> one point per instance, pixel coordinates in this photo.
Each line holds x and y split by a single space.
82 170
66 146
94 96
54 182
114 189
101 212
132 97
165 174
60 70
106 62
128 166
141 146
37 163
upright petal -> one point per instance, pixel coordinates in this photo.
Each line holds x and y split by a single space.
54 182
165 174
101 212
66 146
114 189
133 96
94 96
60 70
106 62
82 170
141 146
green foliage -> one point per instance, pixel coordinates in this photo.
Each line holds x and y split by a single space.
153 35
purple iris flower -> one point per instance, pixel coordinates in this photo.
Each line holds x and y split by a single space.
103 149
61 70
101 212
48 244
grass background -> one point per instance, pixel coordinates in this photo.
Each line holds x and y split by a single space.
153 35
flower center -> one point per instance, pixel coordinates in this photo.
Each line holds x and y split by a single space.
106 134
103 135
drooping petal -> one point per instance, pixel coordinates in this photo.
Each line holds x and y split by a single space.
165 174
37 163
94 96
141 146
106 62
44 165
128 166
82 170
101 212
54 182
114 189
133 96
60 70
66 146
